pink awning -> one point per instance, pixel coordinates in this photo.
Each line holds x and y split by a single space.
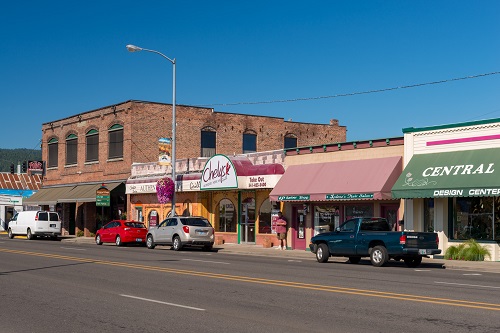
347 180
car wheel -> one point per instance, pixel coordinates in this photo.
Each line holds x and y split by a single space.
11 235
118 241
177 245
207 248
379 256
354 260
29 235
322 253
150 243
413 262
98 240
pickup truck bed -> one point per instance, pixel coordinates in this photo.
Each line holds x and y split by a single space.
372 237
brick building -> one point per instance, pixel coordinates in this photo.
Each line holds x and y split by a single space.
99 146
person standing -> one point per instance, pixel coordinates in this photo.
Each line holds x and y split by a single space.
281 225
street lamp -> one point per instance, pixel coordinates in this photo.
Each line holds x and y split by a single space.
133 48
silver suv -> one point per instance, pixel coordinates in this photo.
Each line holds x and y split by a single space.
180 231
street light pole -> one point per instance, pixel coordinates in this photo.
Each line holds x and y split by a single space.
133 48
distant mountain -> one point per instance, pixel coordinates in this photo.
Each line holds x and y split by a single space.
15 156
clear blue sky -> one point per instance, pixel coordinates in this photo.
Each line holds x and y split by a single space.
61 58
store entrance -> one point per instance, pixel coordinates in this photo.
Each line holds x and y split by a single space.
247 221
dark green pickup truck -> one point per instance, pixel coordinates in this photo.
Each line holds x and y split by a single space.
372 237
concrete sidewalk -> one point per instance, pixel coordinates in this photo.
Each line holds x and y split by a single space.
258 250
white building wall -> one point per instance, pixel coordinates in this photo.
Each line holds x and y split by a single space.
473 137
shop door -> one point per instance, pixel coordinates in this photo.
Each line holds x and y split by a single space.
298 228
247 221
390 212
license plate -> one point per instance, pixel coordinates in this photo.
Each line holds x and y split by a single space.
138 239
52 225
422 251
199 232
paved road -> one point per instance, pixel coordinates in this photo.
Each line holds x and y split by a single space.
76 287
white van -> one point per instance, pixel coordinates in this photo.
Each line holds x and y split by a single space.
35 223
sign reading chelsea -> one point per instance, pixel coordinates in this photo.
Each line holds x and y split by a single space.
218 173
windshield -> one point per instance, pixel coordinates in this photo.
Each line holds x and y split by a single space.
135 225
196 222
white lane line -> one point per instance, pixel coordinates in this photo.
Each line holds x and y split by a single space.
467 285
422 270
165 303
473 274
291 260
207 261
73 248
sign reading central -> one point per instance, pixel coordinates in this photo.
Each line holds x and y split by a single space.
218 173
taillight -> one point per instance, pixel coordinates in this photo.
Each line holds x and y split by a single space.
402 239
437 239
186 229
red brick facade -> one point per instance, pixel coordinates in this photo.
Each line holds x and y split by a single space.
145 122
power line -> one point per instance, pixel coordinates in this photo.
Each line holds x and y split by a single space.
354 93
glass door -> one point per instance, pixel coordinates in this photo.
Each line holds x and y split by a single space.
247 222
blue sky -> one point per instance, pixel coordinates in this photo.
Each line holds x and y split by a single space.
61 58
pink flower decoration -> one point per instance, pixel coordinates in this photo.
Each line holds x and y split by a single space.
165 190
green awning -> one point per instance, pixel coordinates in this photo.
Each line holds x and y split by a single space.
468 173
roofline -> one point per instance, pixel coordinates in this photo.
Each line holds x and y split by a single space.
445 126
184 105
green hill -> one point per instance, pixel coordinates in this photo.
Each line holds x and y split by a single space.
15 156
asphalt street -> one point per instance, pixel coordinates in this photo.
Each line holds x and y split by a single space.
77 286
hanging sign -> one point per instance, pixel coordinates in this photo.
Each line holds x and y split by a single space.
218 173
165 149
102 198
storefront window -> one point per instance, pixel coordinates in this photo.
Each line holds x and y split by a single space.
227 216
474 217
326 218
429 215
265 217
353 211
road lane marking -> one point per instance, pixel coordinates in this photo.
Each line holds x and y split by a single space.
466 285
164 303
208 261
271 282
291 260
73 248
472 274
422 270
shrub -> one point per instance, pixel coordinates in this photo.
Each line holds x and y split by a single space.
79 233
470 250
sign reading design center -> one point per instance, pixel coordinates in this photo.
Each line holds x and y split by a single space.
218 173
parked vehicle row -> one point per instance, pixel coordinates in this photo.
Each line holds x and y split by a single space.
178 232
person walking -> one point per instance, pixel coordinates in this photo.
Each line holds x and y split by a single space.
281 225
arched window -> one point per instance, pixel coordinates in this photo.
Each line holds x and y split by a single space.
227 216
92 146
265 217
208 142
115 141
71 149
290 141
249 142
53 145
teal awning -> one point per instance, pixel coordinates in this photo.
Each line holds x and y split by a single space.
468 173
